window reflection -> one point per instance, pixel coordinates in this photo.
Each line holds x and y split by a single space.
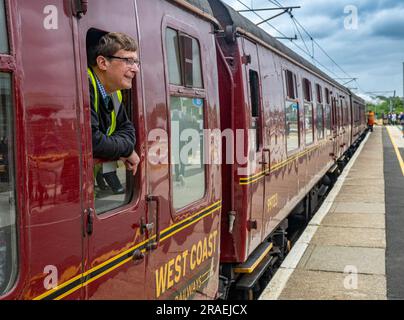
327 117
173 56
111 188
292 125
187 157
308 122
8 241
3 29
320 123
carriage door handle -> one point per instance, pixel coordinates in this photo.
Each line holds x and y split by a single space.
153 245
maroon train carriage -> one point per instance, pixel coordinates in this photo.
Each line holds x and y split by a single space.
304 124
57 239
63 237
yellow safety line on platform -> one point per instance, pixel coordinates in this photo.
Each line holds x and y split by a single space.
400 159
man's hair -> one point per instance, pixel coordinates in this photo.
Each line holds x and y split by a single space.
109 44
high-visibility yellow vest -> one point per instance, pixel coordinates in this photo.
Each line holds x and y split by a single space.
116 100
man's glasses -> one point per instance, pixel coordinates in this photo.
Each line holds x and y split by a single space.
128 61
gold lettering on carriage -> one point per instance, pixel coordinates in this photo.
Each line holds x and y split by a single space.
185 262
272 202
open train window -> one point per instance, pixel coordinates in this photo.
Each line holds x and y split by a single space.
114 186
308 111
307 90
4 46
187 118
291 84
173 57
327 96
255 106
319 94
8 231
184 59
291 112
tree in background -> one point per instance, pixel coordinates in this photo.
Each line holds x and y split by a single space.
383 108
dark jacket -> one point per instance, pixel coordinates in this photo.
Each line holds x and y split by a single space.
122 142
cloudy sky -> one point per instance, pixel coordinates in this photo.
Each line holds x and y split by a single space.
368 46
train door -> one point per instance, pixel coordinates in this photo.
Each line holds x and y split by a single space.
40 176
347 115
335 121
180 79
341 125
115 209
254 113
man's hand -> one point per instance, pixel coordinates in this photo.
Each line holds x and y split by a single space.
131 162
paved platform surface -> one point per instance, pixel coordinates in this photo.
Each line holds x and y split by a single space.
350 242
393 149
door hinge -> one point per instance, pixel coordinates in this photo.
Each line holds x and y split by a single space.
79 8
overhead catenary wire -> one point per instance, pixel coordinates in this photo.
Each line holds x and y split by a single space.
297 24
316 43
281 33
304 42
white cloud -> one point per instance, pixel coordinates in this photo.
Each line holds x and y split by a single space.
374 52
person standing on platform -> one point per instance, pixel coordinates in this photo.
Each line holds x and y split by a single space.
371 120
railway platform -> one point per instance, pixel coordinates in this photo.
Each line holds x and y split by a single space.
352 248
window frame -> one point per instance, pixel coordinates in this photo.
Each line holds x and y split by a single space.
293 151
323 134
258 117
328 131
307 90
7 30
286 84
327 94
319 93
182 35
132 195
182 91
320 104
340 113
8 65
286 99
309 104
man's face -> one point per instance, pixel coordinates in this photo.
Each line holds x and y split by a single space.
119 73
